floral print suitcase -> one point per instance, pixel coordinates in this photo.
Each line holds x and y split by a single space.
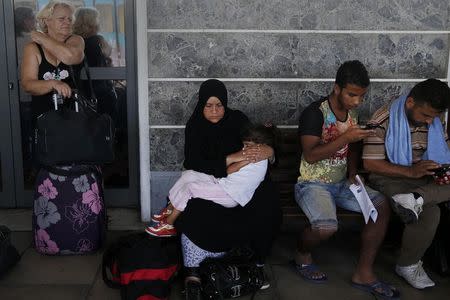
69 212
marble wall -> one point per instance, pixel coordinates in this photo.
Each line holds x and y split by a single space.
291 47
300 14
299 55
283 39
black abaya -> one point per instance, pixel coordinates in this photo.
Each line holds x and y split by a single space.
212 226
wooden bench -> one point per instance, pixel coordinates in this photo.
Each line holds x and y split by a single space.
285 174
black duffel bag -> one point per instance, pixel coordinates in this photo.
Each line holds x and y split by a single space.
65 136
141 266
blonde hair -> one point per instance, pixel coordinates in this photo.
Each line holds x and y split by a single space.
86 22
47 11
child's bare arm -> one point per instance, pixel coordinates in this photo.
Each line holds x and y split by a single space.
234 167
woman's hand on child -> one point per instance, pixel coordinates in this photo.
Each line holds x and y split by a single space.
236 157
249 153
257 152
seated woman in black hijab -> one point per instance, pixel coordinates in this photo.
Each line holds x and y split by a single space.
212 142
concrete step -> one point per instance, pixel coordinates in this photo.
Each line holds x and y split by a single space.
119 219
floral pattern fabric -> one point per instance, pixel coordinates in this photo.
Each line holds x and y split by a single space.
333 169
193 255
56 74
68 214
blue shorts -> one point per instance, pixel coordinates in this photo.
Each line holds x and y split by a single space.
319 200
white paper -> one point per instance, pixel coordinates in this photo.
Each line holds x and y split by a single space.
367 208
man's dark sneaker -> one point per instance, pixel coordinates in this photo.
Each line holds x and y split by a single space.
193 290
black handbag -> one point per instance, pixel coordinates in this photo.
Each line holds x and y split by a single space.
8 253
231 276
74 133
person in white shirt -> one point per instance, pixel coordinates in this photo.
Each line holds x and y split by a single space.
236 189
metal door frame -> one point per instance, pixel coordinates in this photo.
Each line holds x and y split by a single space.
6 149
13 163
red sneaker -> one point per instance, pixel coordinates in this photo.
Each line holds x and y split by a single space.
161 229
162 215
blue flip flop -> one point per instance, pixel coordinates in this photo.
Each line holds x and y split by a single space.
309 272
379 289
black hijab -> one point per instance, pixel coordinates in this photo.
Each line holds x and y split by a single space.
207 143
209 88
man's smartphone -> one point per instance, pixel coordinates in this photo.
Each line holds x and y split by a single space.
442 170
442 174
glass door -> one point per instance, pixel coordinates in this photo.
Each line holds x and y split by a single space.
103 25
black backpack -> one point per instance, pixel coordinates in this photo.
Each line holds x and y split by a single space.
140 265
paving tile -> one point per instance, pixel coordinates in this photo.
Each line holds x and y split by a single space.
22 240
283 249
37 269
339 251
47 292
124 219
385 271
101 291
291 286
120 219
79 277
16 219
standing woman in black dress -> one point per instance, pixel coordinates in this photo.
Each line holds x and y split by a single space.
212 142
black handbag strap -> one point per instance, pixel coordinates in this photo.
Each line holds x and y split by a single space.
88 75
